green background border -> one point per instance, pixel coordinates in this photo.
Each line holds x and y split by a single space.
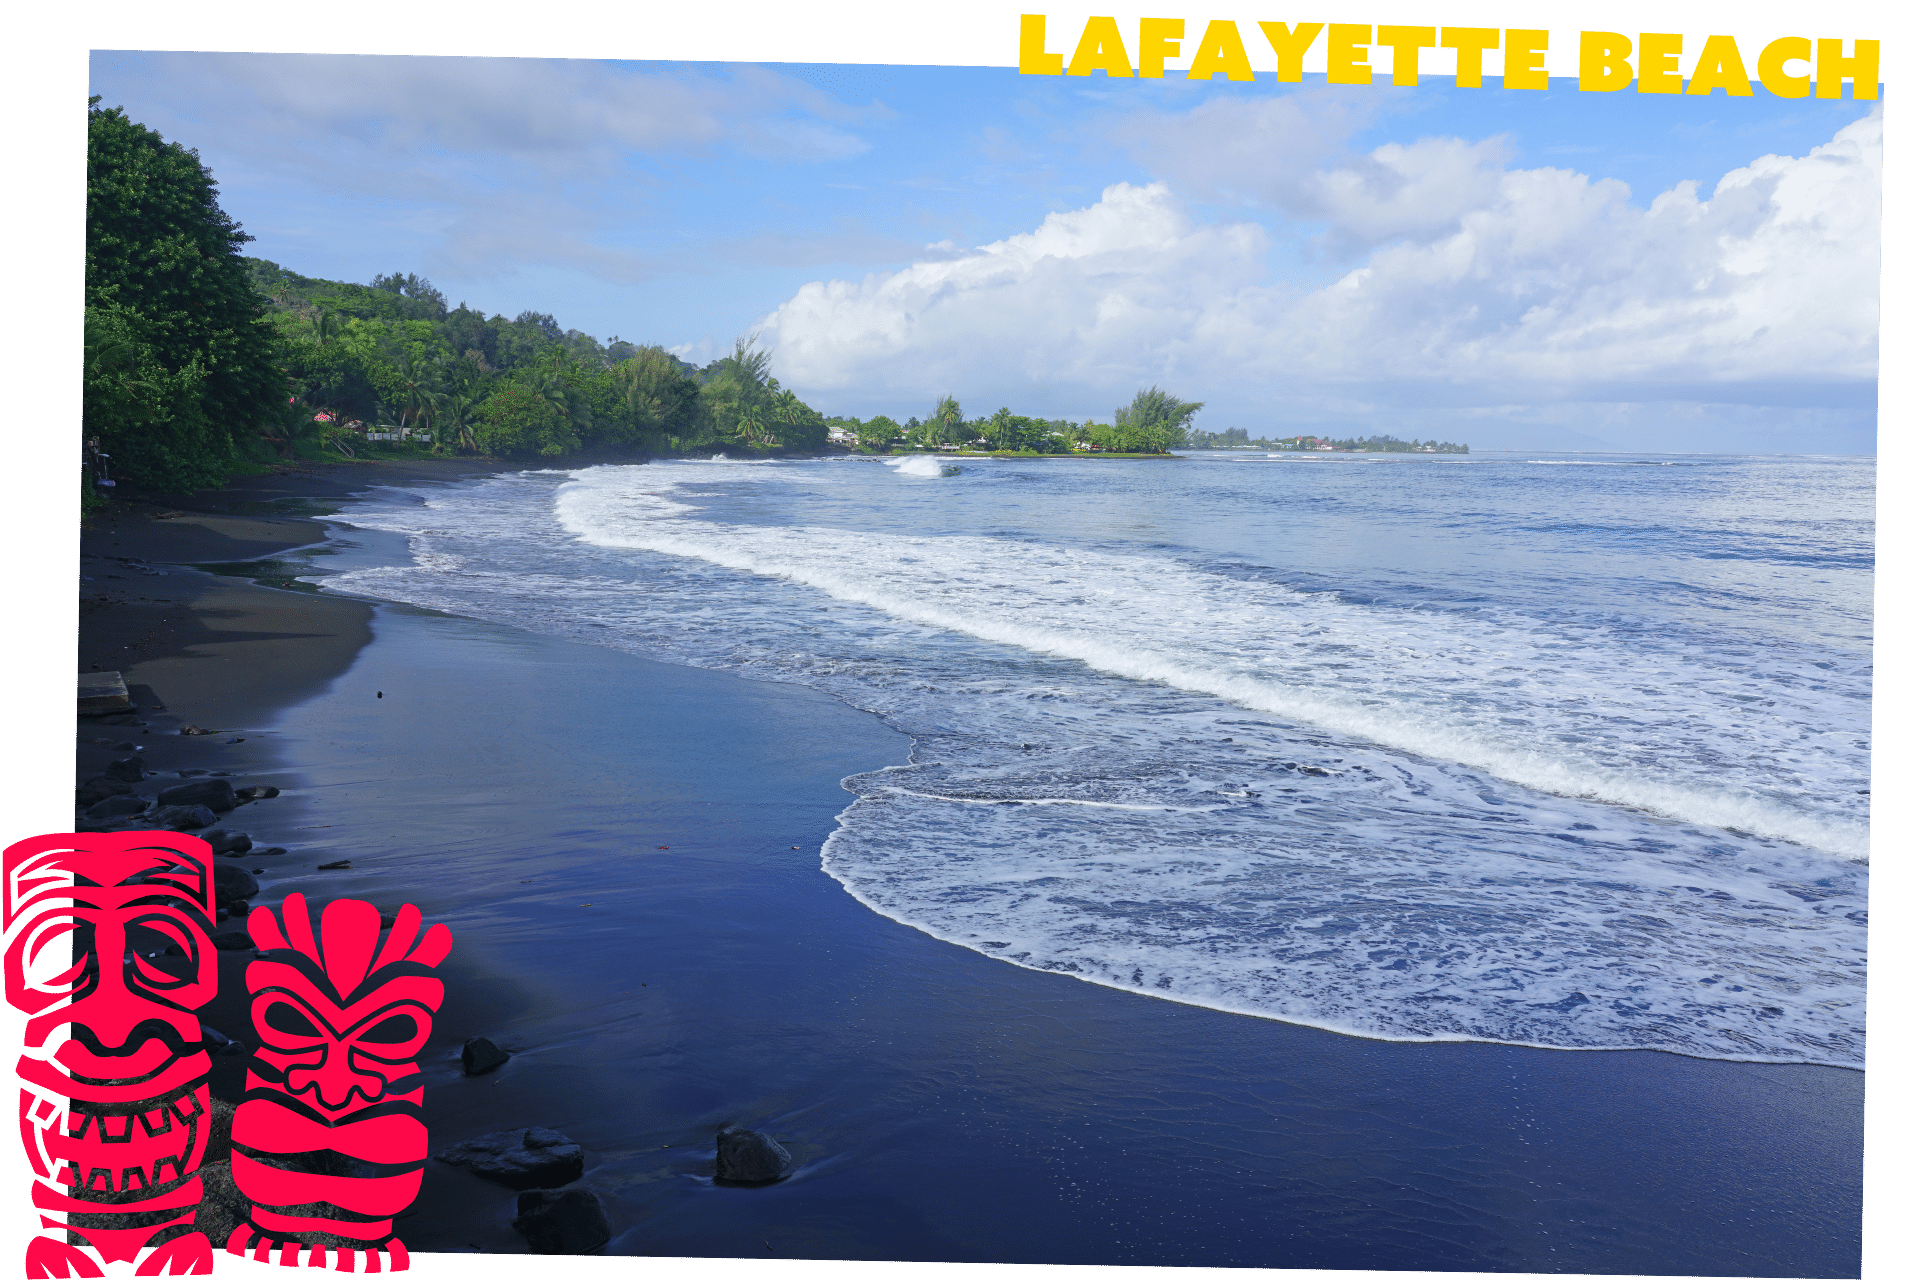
43 89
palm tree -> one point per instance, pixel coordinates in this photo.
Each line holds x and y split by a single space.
752 428
325 324
792 410
454 418
415 394
290 424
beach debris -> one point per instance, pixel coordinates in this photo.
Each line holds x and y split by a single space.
660 846
342 865
272 852
232 843
233 886
118 807
94 790
215 793
126 770
749 1158
569 1221
181 817
102 693
231 741
519 1158
379 694
256 793
481 1055
195 731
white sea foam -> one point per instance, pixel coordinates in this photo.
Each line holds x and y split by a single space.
1184 778
924 465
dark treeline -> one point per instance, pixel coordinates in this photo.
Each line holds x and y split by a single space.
201 362
1154 422
1236 438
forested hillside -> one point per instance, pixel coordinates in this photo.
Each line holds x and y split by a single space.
201 362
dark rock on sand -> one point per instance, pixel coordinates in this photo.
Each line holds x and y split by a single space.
127 770
481 1055
570 1221
94 790
341 865
749 1157
233 884
215 793
256 793
181 817
272 852
228 842
118 807
519 1158
195 731
232 942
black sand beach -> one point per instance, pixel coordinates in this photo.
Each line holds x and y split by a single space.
627 853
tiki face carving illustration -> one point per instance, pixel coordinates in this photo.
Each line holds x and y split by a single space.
332 1111
113 1118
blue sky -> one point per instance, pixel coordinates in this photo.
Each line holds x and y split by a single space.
1429 260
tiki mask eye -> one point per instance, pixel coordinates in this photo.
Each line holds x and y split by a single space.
398 1029
288 1020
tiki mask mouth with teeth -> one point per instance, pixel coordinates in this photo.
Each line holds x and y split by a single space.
115 1117
341 1018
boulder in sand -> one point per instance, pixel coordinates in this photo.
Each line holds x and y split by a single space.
229 842
118 807
569 1221
94 790
215 793
481 1055
181 817
126 770
233 884
519 1158
750 1158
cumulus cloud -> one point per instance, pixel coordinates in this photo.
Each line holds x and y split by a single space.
1091 296
1485 286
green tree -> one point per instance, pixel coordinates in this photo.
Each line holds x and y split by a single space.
522 420
658 399
160 249
1155 422
878 432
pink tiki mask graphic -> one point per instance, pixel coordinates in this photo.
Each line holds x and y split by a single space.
332 1110
114 1119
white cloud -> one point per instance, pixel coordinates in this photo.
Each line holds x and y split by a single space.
1488 287
1090 297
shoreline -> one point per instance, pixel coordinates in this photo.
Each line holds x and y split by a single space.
762 970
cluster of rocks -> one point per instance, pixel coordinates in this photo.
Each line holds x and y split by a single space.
539 1163
109 802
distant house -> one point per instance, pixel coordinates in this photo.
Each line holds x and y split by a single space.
842 435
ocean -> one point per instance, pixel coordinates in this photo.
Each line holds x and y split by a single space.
1524 748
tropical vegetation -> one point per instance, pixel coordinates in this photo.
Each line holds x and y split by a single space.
201 362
